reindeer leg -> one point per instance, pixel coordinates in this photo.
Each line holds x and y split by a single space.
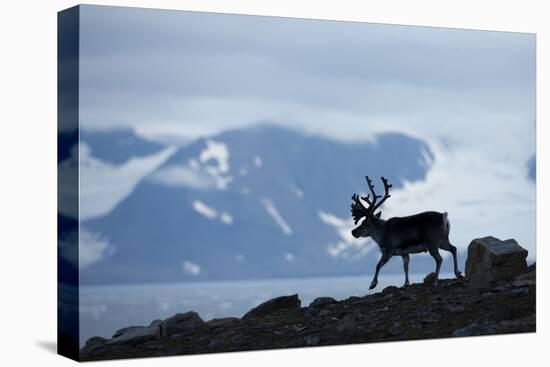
406 268
383 260
446 245
437 257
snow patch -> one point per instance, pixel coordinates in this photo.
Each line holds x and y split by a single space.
272 211
299 193
258 162
226 218
212 213
204 210
217 151
190 268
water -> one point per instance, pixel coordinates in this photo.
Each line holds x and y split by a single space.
104 309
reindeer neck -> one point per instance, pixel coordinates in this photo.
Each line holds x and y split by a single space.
377 229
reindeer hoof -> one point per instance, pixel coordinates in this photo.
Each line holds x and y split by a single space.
373 285
459 275
406 284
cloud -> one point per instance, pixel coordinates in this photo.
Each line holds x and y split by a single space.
183 176
469 94
200 73
103 186
347 245
483 194
93 247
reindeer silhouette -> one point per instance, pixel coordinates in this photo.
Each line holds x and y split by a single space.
401 236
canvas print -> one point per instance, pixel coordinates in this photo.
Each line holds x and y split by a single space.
233 182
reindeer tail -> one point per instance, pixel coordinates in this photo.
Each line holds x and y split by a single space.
446 223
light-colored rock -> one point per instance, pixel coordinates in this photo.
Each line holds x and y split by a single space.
181 323
490 259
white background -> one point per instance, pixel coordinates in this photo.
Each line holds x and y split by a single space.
28 186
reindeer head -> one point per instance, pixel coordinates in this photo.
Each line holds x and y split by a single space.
358 210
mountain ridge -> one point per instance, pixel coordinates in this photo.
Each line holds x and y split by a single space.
248 203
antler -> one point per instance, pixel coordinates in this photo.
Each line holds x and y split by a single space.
358 210
375 203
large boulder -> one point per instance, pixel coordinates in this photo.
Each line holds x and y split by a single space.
321 302
490 259
273 305
224 322
134 335
181 324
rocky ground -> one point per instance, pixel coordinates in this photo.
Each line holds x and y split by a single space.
452 308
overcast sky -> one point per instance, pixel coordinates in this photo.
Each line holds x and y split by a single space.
195 73
190 74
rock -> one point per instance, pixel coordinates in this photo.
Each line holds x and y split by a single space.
490 259
95 340
224 322
134 335
155 322
455 309
348 325
477 328
429 320
516 292
531 275
181 323
276 304
487 295
298 328
95 344
429 279
321 302
312 340
415 312
523 283
389 289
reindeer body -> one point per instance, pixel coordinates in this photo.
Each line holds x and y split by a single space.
401 236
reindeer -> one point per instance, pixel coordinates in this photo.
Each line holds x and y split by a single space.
401 236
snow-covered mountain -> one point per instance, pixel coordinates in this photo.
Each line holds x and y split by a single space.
245 204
